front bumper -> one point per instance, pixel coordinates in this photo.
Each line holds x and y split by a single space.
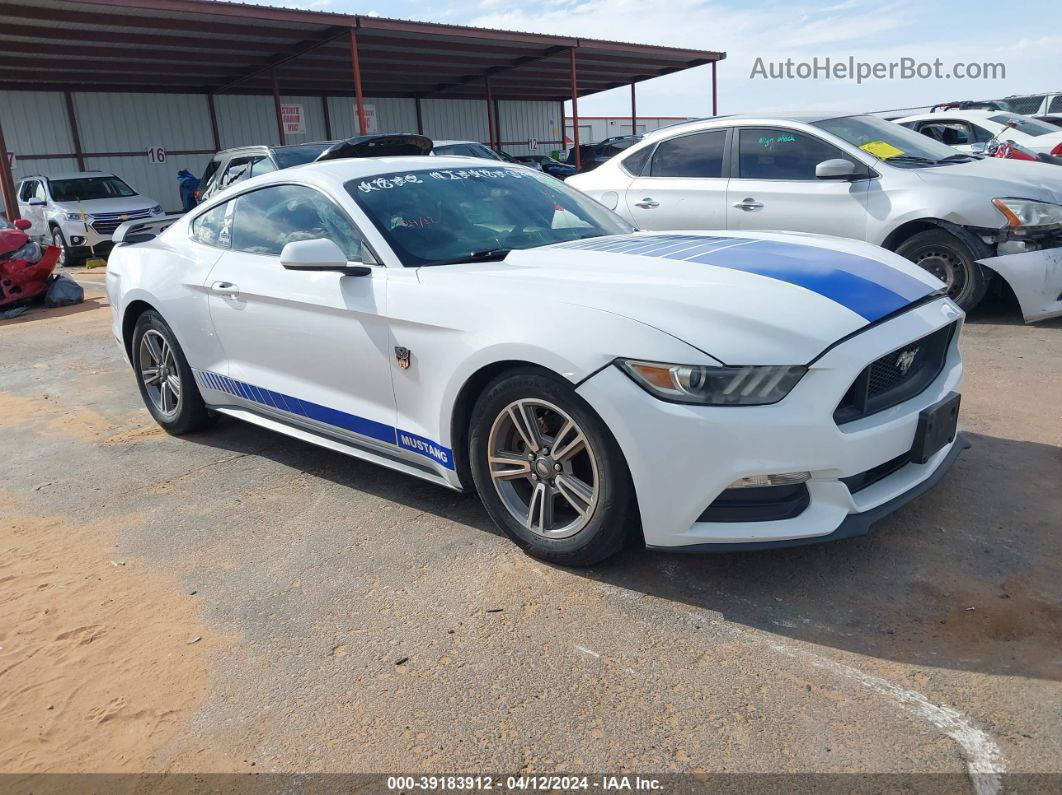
1036 279
681 457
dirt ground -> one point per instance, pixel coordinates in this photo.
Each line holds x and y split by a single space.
242 602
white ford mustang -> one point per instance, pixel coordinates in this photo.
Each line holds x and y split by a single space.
484 326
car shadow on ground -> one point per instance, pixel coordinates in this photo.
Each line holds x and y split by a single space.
1000 308
39 311
966 577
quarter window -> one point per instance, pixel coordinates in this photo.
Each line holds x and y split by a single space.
765 153
270 218
696 155
214 226
634 164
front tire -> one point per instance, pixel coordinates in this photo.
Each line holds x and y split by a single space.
950 260
548 471
165 378
66 260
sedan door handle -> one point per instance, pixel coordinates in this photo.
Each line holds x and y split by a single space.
749 205
647 203
225 288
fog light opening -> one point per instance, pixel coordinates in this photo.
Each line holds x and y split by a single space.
759 481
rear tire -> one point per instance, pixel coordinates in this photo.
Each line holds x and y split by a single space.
548 470
166 382
950 260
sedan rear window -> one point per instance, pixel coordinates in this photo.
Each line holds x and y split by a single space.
1024 124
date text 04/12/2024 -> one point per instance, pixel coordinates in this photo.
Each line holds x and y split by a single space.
523 783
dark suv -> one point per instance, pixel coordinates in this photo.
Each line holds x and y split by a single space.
243 162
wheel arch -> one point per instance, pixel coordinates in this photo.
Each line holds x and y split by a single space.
909 229
132 314
465 401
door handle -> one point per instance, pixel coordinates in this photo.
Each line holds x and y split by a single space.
647 203
225 288
749 205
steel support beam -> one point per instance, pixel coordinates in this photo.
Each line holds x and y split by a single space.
327 118
715 92
276 106
7 182
490 113
634 112
359 97
575 108
420 116
214 122
75 136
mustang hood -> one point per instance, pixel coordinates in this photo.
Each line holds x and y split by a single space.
757 298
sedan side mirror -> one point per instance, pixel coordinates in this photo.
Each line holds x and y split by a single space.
319 255
978 148
22 224
839 168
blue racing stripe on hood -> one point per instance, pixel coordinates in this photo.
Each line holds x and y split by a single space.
868 287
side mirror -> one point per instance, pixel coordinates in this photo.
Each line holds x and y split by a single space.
319 255
22 224
978 148
36 203
838 168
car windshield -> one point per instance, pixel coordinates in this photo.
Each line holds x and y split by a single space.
88 188
288 156
1024 124
450 215
890 142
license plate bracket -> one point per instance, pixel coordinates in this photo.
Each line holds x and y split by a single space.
937 426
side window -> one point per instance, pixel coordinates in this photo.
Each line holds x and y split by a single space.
211 170
270 218
696 155
765 153
949 132
634 164
262 165
214 226
981 134
237 169
26 193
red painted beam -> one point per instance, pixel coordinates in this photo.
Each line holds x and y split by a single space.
359 95
7 182
276 106
71 118
575 107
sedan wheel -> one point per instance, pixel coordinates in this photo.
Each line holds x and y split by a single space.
949 259
543 468
159 373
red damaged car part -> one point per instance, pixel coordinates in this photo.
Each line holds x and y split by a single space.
24 267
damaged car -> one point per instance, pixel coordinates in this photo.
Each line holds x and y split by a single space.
25 268
964 218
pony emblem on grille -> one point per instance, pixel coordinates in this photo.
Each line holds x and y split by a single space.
906 359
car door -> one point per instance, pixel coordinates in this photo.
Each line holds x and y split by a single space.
683 185
773 185
31 204
308 348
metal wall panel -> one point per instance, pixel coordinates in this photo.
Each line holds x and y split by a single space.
393 115
313 119
136 122
35 123
522 120
244 120
455 119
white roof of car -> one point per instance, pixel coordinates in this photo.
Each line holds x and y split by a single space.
944 115
70 175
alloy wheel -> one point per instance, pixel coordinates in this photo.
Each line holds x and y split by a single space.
60 243
543 468
159 372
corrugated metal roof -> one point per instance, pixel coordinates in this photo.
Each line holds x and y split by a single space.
202 46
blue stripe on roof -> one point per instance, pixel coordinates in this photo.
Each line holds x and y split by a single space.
868 287
329 416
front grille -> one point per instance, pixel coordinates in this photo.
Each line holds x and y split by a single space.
895 377
106 223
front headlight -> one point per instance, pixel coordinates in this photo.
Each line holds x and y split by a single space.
73 216
1026 212
156 210
715 386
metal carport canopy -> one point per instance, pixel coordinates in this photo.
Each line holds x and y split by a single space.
213 47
